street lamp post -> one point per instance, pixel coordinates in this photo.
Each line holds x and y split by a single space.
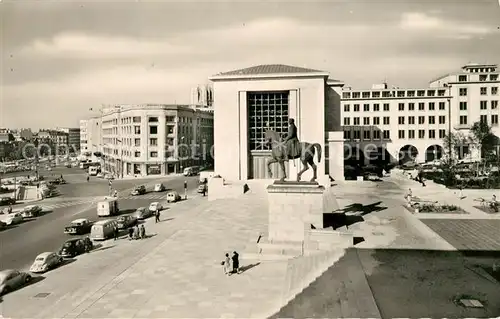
449 126
181 162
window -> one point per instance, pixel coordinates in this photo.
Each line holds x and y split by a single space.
376 107
366 107
484 91
356 121
401 93
494 105
421 120
137 142
376 94
421 133
432 106
483 105
376 135
411 134
411 119
462 91
386 94
401 106
170 129
494 119
356 95
346 107
153 119
347 135
431 93
357 135
386 106
463 106
386 120
421 106
346 95
137 129
386 135
442 105
493 77
401 134
494 90
401 120
463 119
483 77
366 135
411 106
432 120
136 119
441 92
366 121
262 107
347 121
442 133
462 78
442 119
356 107
420 93
137 154
483 119
376 120
410 94
153 142
153 154
170 118
432 134
366 95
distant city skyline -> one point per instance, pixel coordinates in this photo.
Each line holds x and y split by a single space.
56 68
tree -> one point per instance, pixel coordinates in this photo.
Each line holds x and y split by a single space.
483 139
454 143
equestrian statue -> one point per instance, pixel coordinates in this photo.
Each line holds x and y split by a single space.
289 148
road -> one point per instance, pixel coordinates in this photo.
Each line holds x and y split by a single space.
22 243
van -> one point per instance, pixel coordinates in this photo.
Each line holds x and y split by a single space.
108 207
103 229
191 171
93 170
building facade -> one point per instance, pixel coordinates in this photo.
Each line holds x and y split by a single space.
155 139
202 95
90 138
399 124
73 138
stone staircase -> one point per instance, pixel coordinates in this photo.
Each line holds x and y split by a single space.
264 250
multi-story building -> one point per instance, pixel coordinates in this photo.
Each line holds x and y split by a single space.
53 138
399 124
202 95
73 137
154 139
90 137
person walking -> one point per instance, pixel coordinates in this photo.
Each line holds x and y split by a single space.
116 232
142 232
136 232
157 216
88 178
226 265
420 177
236 262
130 233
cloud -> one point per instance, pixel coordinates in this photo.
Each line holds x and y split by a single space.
417 21
87 46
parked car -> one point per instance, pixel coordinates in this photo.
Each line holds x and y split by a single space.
79 227
12 219
142 213
13 279
31 211
126 221
2 225
159 187
4 201
154 206
173 197
202 188
74 247
99 175
139 190
46 261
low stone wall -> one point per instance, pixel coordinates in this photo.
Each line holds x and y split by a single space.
219 189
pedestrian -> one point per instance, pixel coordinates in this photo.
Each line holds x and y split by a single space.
88 178
494 204
130 233
136 232
226 263
157 216
420 177
9 210
236 263
142 232
116 232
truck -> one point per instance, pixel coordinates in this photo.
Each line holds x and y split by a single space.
107 207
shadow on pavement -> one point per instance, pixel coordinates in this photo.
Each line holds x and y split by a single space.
8 227
33 281
350 215
101 248
166 220
66 262
248 267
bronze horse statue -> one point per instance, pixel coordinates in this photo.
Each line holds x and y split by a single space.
279 154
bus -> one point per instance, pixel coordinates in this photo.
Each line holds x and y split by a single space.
93 170
191 171
86 165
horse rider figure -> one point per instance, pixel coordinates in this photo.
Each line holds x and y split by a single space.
291 141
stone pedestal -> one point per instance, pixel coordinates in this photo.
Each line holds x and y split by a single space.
336 155
293 208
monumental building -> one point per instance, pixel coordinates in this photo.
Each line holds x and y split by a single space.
90 138
154 139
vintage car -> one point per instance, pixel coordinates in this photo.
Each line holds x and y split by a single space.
139 190
31 211
46 261
126 221
2 225
4 201
154 206
173 197
159 187
12 219
202 188
142 213
13 279
74 247
79 227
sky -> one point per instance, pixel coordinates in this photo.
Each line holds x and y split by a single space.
61 58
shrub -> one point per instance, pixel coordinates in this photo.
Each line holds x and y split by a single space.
449 207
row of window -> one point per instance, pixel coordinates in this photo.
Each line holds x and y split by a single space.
386 134
398 93
401 107
386 120
483 91
482 77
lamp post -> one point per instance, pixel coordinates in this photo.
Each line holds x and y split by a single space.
449 126
182 167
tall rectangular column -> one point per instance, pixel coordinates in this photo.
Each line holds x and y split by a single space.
294 166
336 155
243 135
